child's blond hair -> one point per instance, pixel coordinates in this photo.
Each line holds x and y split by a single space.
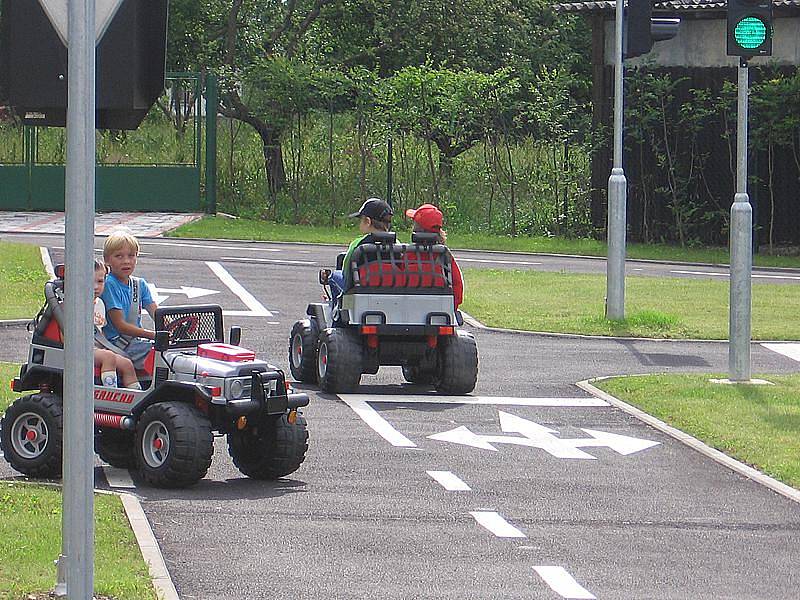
119 239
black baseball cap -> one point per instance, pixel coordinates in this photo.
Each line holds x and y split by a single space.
374 208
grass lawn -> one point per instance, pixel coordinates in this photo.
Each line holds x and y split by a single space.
246 229
655 307
30 537
21 279
757 424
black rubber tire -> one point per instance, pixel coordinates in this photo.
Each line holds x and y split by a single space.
419 375
115 447
273 450
43 416
340 351
303 351
458 364
189 445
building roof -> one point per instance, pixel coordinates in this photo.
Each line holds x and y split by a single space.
593 6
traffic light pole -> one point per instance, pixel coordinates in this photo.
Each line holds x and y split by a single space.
78 500
741 247
617 194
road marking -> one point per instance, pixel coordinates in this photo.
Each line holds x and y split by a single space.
256 308
118 478
449 481
789 350
490 400
47 262
563 584
496 524
504 262
211 246
539 436
380 425
754 275
278 261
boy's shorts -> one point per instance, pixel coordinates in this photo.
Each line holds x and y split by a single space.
136 349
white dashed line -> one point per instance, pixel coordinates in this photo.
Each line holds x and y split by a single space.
563 584
118 478
277 261
213 247
492 262
754 275
789 350
449 481
489 400
496 524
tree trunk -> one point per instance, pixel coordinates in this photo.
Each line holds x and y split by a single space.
445 167
273 159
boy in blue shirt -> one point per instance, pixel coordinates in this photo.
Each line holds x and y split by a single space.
124 297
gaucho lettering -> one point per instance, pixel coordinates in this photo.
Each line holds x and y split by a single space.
112 396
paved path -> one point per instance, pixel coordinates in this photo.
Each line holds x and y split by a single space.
140 224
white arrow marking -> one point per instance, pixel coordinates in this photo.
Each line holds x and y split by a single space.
539 436
190 292
57 12
789 350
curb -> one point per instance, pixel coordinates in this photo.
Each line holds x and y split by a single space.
721 458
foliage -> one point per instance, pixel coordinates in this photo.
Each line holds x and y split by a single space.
22 279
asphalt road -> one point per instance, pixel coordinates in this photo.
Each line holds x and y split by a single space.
380 509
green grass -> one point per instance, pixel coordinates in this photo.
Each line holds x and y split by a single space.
756 424
30 537
21 279
655 307
246 229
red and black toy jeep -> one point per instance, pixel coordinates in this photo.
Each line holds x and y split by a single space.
194 385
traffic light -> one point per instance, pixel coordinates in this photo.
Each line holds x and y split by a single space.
749 28
640 31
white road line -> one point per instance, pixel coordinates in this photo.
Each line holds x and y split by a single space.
563 584
278 261
449 481
47 262
496 524
213 247
381 426
754 275
789 350
504 262
118 478
489 400
256 308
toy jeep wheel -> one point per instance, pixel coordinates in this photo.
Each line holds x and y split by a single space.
33 435
302 351
173 445
419 374
338 361
115 447
458 364
275 449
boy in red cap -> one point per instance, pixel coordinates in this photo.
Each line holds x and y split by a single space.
428 218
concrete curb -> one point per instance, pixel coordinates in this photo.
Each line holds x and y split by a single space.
723 459
148 545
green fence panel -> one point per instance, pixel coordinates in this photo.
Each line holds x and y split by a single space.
139 188
14 187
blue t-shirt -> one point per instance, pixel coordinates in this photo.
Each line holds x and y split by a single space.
118 295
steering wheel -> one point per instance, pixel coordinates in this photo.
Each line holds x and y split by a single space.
183 327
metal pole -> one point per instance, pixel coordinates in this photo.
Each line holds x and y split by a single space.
78 501
741 249
212 100
617 194
389 170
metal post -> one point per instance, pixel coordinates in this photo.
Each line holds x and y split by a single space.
78 501
617 194
741 248
389 173
212 100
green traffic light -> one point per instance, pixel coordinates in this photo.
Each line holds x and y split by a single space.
750 33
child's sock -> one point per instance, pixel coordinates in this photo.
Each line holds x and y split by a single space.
134 386
109 378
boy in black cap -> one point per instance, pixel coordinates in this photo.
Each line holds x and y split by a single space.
375 216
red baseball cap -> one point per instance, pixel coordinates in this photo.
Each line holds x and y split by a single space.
428 216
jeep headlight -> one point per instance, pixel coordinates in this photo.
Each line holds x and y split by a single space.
237 389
